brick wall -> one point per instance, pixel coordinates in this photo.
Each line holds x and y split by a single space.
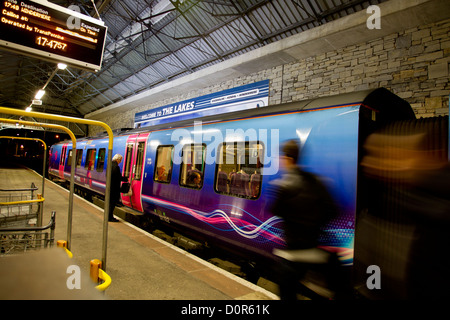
413 64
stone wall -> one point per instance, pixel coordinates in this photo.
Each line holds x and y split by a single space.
413 64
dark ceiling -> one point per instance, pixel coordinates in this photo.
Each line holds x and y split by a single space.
153 42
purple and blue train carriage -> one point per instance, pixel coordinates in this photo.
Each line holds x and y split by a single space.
210 177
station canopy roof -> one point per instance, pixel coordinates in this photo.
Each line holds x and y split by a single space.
150 43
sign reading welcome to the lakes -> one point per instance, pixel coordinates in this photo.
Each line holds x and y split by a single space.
249 96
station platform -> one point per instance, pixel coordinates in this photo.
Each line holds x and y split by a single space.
141 266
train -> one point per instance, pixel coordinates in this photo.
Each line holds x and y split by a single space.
210 175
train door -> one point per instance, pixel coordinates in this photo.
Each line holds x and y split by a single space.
62 160
133 169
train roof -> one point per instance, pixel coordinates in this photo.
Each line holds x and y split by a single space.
389 106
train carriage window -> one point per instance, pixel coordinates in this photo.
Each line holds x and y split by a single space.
139 160
129 153
90 159
163 165
192 166
63 156
101 160
69 159
238 169
79 157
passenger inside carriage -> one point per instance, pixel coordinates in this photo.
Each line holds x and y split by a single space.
161 174
194 179
222 181
255 182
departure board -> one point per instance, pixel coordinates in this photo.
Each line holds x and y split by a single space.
45 30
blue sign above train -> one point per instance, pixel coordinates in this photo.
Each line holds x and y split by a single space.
249 96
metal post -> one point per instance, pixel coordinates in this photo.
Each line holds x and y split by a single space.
106 207
52 228
71 189
43 183
31 187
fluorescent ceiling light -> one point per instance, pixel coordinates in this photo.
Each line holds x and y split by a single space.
39 94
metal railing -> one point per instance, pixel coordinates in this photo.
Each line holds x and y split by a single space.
108 168
18 208
27 193
101 273
22 239
39 221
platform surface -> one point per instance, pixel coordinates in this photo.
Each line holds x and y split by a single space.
141 266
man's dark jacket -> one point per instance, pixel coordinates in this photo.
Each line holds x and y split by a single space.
305 206
116 178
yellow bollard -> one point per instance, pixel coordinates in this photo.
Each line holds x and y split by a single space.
98 275
96 265
63 244
106 278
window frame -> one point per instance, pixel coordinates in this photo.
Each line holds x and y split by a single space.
62 160
89 157
79 157
184 165
246 166
139 166
170 171
100 167
128 158
69 158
